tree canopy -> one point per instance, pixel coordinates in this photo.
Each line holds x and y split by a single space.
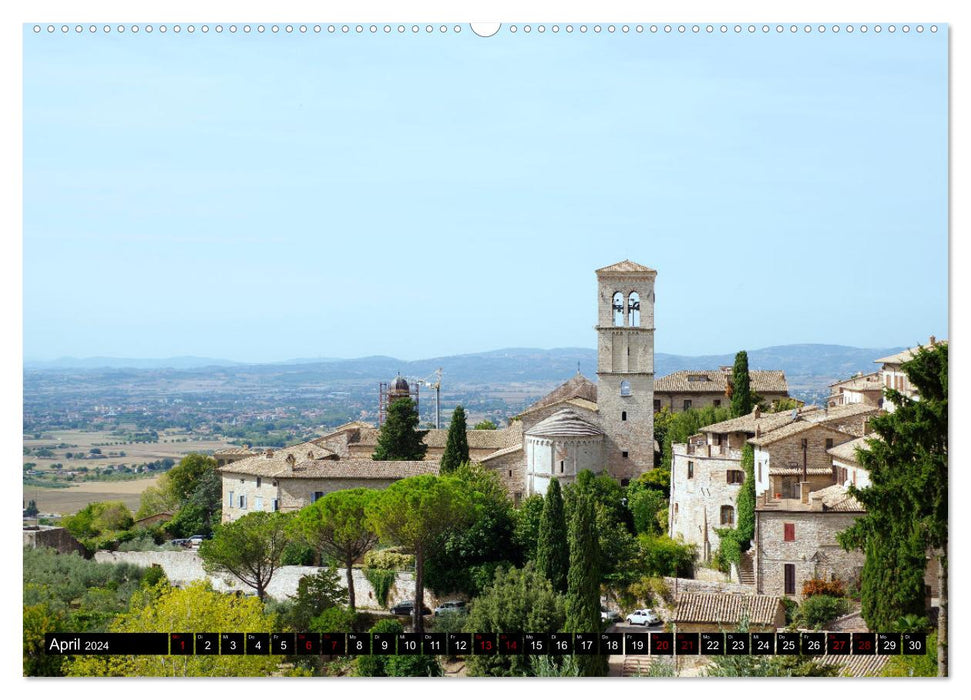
196 608
742 402
456 444
414 513
583 579
552 548
399 438
249 548
337 524
906 500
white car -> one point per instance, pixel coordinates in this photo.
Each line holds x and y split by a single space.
643 617
608 615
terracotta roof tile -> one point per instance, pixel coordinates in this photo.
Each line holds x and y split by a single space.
624 266
727 608
577 387
716 381
565 423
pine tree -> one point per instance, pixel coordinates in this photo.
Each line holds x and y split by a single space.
552 548
741 392
457 443
400 439
906 501
583 579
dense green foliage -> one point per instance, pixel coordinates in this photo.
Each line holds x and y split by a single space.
381 581
914 666
518 600
733 542
676 428
648 506
485 425
415 513
583 579
465 558
816 612
552 548
528 517
399 438
742 401
396 665
614 523
456 443
192 491
316 594
250 548
99 524
663 556
196 608
906 501
338 526
65 592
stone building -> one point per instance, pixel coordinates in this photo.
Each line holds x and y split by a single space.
846 464
686 389
863 388
606 427
893 375
707 473
795 541
709 612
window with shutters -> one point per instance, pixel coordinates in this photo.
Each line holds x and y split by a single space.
258 502
727 515
790 577
735 476
276 505
232 500
789 532
691 470
242 502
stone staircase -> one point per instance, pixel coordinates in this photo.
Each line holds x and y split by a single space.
635 666
746 570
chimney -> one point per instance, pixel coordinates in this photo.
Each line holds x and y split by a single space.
933 340
804 491
291 460
757 412
268 453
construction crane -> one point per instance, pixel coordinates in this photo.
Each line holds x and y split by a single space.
437 386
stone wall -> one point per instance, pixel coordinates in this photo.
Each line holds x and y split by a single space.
788 453
699 500
182 568
57 538
814 552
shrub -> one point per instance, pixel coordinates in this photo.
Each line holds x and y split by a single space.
792 610
381 581
388 559
298 554
816 586
819 610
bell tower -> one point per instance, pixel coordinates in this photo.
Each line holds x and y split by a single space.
625 367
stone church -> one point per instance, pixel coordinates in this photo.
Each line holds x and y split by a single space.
607 427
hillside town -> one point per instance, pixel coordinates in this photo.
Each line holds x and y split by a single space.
740 510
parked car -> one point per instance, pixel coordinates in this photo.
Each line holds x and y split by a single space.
182 542
196 540
643 617
451 606
407 607
608 615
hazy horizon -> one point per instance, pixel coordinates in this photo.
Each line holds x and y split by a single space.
266 196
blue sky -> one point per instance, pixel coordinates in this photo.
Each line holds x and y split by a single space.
259 198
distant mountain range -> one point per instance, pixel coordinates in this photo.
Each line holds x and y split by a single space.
806 365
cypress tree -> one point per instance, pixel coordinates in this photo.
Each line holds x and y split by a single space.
552 548
583 579
906 501
457 443
741 392
400 439
746 500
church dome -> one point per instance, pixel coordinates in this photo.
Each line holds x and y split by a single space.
400 385
565 423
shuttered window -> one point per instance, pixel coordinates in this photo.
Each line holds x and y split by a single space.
789 532
790 574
